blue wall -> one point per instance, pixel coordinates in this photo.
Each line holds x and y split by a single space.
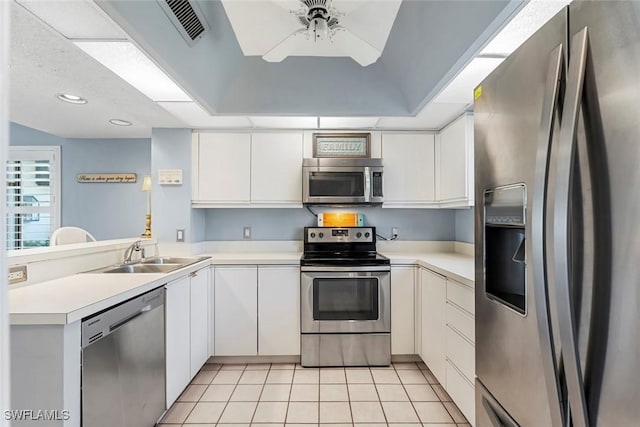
465 225
108 211
287 224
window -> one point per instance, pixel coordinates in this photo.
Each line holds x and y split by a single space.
33 194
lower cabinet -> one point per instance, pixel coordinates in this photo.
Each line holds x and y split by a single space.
433 323
445 325
256 310
186 330
402 315
236 310
278 310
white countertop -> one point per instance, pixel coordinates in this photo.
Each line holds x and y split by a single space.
69 299
66 300
457 266
262 258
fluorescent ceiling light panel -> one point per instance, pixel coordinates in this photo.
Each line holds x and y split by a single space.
535 14
348 122
285 122
133 66
460 89
77 19
193 115
434 116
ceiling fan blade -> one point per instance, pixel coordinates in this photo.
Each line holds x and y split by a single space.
360 50
286 47
291 5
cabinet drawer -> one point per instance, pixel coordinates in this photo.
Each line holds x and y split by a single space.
461 295
461 353
462 392
461 321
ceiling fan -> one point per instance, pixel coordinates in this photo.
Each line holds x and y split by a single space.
321 23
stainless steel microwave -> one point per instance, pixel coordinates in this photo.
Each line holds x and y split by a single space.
342 181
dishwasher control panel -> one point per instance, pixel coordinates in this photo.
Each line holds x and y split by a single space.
99 325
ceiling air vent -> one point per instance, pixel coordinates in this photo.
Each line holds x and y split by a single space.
187 19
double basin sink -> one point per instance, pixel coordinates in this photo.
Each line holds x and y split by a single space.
150 265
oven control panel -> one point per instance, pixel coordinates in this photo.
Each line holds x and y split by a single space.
340 234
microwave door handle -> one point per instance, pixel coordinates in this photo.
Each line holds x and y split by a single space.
367 184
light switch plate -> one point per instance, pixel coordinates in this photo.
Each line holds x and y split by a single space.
246 233
180 235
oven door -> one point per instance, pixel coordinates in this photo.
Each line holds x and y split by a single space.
348 301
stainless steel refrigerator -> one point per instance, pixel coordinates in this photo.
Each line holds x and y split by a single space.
557 160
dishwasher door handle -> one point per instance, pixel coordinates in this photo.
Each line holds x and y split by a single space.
126 320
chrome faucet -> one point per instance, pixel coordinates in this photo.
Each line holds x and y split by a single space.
135 247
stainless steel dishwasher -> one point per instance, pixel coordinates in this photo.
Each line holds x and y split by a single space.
123 364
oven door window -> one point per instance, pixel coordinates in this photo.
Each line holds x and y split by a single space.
345 298
336 184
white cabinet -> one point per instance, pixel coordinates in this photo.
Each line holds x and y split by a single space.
278 310
247 170
409 170
402 315
199 319
186 330
433 312
454 163
223 168
177 321
276 168
236 311
256 310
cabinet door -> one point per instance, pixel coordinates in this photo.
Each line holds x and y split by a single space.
276 168
236 311
224 168
402 314
199 319
455 161
212 308
278 310
409 168
177 320
434 296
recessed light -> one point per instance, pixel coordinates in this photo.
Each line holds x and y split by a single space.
120 122
72 99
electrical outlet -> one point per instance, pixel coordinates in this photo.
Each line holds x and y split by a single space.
246 233
180 235
394 231
17 274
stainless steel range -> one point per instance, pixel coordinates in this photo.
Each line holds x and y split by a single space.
345 298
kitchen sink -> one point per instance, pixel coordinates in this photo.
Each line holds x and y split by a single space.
150 265
169 260
143 268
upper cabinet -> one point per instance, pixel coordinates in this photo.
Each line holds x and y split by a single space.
454 163
222 172
276 168
409 170
247 170
264 169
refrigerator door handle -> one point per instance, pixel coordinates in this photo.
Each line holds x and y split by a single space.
538 230
561 234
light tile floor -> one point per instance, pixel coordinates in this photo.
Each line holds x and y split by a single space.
287 395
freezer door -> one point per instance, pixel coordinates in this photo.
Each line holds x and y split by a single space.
514 342
600 241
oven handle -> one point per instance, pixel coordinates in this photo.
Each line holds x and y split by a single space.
347 269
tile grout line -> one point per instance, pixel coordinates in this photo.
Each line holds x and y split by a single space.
260 395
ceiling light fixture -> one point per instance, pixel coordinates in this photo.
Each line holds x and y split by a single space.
133 65
72 99
120 122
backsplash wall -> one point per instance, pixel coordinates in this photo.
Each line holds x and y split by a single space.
287 224
465 225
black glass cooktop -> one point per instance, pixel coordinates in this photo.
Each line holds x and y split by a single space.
347 259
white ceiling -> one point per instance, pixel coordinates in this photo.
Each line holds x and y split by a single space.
260 25
45 62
